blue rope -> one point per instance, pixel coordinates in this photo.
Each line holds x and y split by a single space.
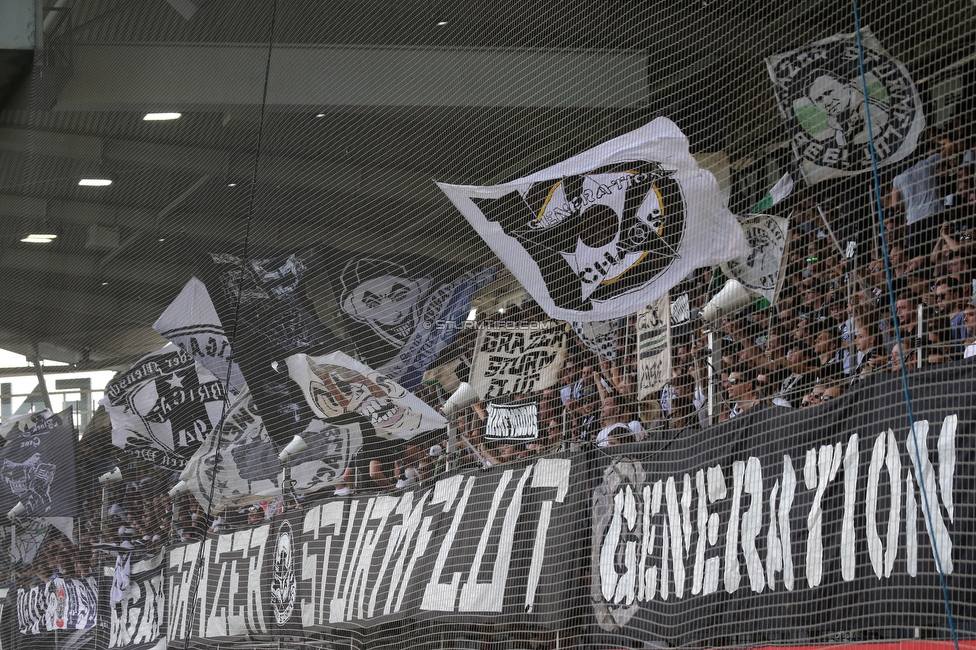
891 299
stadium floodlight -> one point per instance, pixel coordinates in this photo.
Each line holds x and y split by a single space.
178 489
113 476
292 449
16 511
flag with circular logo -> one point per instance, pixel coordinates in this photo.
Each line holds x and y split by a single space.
833 115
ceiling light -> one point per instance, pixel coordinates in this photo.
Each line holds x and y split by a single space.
442 23
39 238
159 117
105 284
94 182
320 115
231 184
161 240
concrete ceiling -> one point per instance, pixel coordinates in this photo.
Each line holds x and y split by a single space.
331 120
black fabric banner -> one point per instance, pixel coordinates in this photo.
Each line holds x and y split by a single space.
793 525
485 544
38 468
263 303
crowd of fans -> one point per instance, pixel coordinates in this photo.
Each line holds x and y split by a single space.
832 325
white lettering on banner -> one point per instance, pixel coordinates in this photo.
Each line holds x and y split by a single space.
632 566
131 625
231 606
183 559
359 562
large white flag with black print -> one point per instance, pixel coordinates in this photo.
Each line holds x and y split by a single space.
603 233
191 322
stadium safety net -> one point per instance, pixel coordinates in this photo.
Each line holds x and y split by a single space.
515 325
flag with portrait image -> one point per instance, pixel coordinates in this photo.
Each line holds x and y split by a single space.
603 233
822 100
164 407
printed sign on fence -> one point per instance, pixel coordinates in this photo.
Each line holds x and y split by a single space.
518 358
513 422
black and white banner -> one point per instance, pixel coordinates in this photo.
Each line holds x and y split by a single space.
136 608
834 529
238 462
336 384
58 605
38 466
513 422
759 271
400 312
653 347
191 322
830 121
601 336
605 232
517 358
164 407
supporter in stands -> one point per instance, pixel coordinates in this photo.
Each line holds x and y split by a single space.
908 360
970 320
867 353
905 308
801 378
915 192
826 347
949 302
742 391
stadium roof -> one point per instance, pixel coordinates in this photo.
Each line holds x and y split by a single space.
365 104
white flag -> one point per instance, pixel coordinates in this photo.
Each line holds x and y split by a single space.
238 464
779 191
191 322
759 270
603 233
335 384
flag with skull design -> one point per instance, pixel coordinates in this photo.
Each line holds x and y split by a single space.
336 384
38 466
401 311
828 101
606 232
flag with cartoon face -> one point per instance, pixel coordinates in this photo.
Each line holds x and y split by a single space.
401 311
831 120
37 466
336 384
602 234
164 407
